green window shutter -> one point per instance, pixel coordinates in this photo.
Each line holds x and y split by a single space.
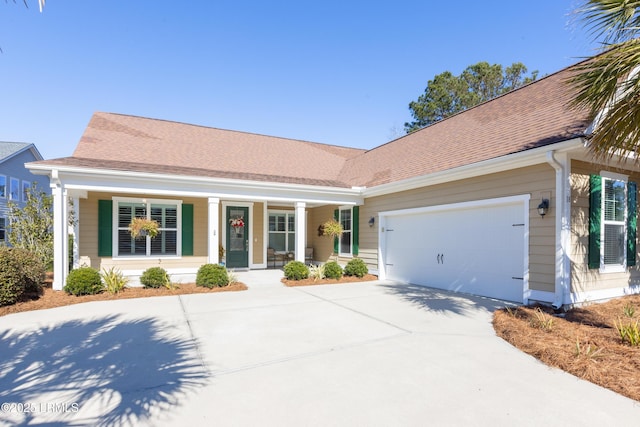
595 217
336 241
355 227
187 229
632 218
105 228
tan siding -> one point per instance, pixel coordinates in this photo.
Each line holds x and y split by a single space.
537 181
322 245
583 278
88 242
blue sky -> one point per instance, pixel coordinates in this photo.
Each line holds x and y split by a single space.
338 72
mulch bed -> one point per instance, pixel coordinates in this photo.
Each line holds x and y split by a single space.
50 298
344 279
583 341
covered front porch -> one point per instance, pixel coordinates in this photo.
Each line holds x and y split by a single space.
238 223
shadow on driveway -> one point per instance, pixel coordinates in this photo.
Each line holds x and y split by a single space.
110 371
441 301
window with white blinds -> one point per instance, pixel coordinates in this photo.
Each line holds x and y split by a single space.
165 243
614 201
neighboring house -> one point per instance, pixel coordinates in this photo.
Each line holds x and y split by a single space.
15 179
453 206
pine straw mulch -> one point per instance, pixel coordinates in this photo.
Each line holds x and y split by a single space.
344 279
50 298
583 341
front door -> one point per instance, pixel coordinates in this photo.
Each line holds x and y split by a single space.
237 237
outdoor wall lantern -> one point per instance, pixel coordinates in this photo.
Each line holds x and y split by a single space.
372 221
543 207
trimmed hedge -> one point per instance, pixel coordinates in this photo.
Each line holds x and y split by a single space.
296 270
20 271
84 281
356 267
332 270
155 277
212 275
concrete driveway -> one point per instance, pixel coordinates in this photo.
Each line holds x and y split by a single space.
379 354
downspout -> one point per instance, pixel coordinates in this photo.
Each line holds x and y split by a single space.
562 234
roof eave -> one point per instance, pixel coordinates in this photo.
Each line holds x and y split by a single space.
95 179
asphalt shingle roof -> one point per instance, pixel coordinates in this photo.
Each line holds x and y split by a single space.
533 116
9 148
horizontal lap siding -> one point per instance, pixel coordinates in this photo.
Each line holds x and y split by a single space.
583 278
88 229
537 181
322 245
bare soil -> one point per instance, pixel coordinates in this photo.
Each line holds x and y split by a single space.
583 341
50 298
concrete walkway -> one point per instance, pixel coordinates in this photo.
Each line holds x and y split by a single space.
375 354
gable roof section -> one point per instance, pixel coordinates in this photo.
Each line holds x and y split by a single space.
138 144
532 116
10 149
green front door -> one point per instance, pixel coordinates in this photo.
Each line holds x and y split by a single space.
237 237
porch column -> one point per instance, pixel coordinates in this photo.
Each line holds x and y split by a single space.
75 231
213 232
301 230
60 234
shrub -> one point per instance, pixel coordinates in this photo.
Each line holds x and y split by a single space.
211 275
155 277
84 281
296 270
356 267
113 279
333 270
20 271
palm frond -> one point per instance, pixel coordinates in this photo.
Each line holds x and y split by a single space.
611 21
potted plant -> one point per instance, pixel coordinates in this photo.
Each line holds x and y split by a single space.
142 227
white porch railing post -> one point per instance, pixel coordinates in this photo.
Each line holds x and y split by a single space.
213 231
301 231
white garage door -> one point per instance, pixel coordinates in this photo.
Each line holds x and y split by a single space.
476 248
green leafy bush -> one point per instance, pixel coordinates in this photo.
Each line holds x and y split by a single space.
113 279
356 267
155 277
296 270
212 275
20 271
332 270
84 281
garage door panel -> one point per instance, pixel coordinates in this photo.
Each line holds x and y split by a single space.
475 250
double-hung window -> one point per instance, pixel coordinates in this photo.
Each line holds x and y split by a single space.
612 222
348 217
282 231
3 186
14 189
345 238
165 213
26 189
3 230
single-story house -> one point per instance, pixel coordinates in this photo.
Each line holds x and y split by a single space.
503 200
